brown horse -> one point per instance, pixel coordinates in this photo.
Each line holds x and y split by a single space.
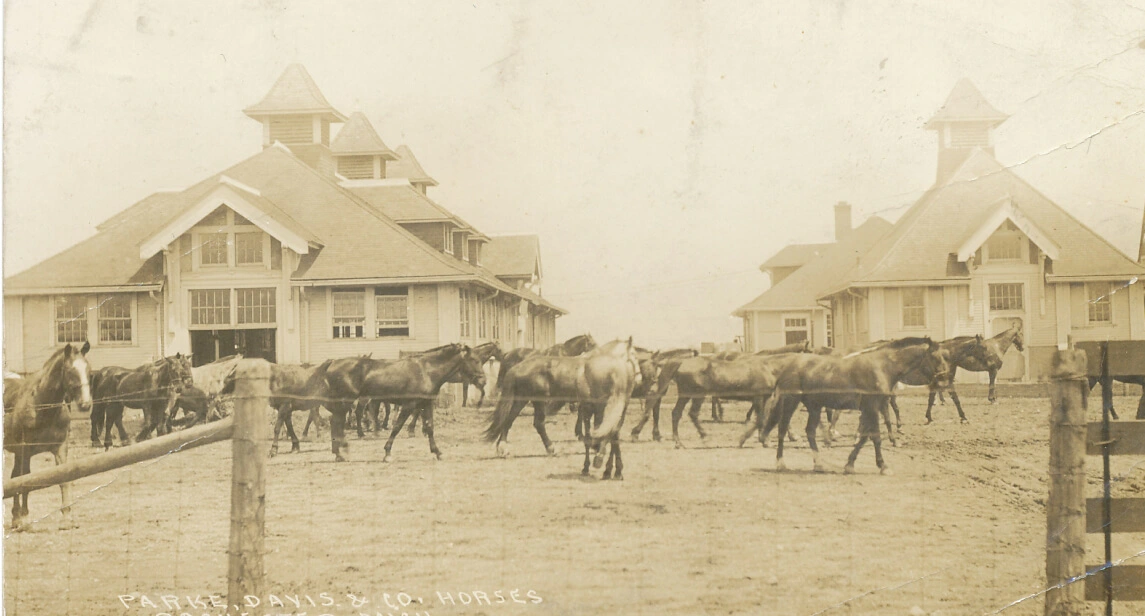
863 381
663 364
795 347
36 419
413 383
572 347
294 388
153 387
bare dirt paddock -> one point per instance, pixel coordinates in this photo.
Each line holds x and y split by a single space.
712 529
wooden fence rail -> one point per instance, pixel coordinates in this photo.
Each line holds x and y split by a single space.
247 429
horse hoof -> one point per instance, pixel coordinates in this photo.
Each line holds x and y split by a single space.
437 455
886 470
607 475
387 459
296 449
598 460
929 421
273 452
635 436
552 451
96 444
339 458
618 477
584 471
780 465
819 468
680 445
965 421
849 469
656 437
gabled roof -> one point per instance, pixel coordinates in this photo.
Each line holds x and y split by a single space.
294 93
358 138
360 243
516 256
795 255
801 289
936 226
1006 210
966 104
406 166
399 200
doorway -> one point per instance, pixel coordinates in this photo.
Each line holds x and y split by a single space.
1013 363
209 345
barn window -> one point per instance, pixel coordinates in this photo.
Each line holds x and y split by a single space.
392 309
356 167
1007 296
248 248
211 307
255 306
213 248
1100 301
914 307
71 318
292 129
114 318
349 313
829 329
795 329
1004 245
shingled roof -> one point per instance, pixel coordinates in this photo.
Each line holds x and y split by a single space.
358 241
406 166
358 138
517 256
294 93
920 246
795 255
800 290
966 104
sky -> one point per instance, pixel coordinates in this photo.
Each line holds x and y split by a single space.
662 151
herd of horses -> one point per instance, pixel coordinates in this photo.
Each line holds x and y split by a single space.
596 381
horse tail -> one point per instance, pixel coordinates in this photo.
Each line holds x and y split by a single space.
501 416
613 416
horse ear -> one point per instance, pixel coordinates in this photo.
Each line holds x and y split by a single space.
85 348
630 342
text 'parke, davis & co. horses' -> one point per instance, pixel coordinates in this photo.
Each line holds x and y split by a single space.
863 381
36 419
600 382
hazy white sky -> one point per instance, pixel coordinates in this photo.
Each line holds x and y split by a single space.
662 150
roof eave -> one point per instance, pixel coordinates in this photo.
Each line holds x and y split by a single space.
328 113
126 288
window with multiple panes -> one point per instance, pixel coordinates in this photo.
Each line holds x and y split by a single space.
391 306
349 313
114 317
1100 301
498 315
248 248
466 298
795 329
71 318
1006 296
483 319
255 306
829 332
914 307
210 307
448 239
213 248
1004 246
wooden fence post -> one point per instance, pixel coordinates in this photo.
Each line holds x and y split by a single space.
1065 507
245 572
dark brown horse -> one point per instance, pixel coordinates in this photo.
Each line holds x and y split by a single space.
413 383
795 347
36 419
294 388
863 381
1131 380
153 387
569 348
663 364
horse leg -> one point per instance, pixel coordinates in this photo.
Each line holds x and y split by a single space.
898 419
930 404
876 438
587 452
115 416
677 412
619 476
386 419
413 423
98 415
813 413
20 513
645 413
66 523
992 397
503 438
539 425
278 422
715 409
295 446
784 423
358 412
656 420
607 474
338 444
404 411
833 431
868 425
427 426
694 415
310 419
958 405
749 426
149 423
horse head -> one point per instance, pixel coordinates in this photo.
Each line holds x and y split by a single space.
937 363
469 366
1016 337
578 345
72 373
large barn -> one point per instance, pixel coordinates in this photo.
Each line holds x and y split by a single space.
981 250
318 246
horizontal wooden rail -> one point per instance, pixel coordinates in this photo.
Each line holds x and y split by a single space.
1128 583
1128 438
139 452
1127 515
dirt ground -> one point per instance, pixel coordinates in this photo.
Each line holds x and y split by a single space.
711 529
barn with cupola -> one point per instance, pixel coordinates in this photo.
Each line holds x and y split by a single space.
980 251
325 243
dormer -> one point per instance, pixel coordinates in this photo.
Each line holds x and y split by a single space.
295 113
359 152
965 122
406 166
1006 238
